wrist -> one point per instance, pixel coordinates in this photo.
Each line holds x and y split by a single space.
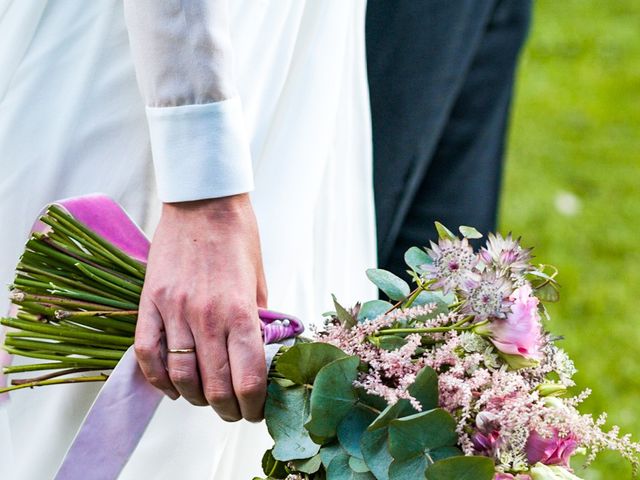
229 207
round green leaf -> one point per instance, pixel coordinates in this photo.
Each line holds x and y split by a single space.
424 389
271 467
373 309
302 362
352 427
394 287
358 465
376 453
420 433
409 468
392 342
309 465
416 257
286 411
339 469
333 396
462 468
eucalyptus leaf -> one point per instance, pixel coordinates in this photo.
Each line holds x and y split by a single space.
376 453
346 319
444 232
373 309
392 342
352 427
333 396
420 433
388 414
339 469
358 465
441 301
424 389
286 411
416 257
409 468
309 465
469 232
273 468
302 362
393 286
462 468
329 452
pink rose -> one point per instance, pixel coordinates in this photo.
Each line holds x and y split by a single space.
555 450
520 333
508 476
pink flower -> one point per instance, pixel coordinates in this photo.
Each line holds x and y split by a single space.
555 450
486 444
520 333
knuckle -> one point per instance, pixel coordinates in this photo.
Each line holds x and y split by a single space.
241 312
155 290
156 380
181 376
218 396
252 387
144 350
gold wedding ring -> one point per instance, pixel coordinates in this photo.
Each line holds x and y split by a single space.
181 350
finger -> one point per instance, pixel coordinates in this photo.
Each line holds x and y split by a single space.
148 348
262 293
213 364
183 367
248 367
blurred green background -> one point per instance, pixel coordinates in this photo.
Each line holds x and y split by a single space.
572 189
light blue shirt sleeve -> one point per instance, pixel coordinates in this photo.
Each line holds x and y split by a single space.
200 150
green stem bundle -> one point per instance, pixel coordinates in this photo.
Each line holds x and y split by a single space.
77 298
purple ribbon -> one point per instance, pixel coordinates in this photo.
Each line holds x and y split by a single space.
126 403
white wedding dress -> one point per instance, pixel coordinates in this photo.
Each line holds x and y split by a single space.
72 122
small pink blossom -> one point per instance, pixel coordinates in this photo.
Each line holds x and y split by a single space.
520 333
554 450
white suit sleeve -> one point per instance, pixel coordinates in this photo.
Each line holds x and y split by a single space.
182 55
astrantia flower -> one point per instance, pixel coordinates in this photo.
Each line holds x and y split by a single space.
453 264
505 254
554 450
520 333
488 298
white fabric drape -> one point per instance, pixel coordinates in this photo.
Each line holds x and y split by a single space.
72 122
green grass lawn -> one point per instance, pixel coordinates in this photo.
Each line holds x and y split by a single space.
572 189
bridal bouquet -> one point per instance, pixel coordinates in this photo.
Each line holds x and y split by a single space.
456 379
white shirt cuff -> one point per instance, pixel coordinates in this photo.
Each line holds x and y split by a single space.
200 151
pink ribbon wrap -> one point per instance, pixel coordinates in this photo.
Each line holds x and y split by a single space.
126 403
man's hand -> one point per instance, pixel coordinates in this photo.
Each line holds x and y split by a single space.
203 286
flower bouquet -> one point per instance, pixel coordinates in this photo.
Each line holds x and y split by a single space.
455 378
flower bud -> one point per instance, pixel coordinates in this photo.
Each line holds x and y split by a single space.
544 472
549 389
